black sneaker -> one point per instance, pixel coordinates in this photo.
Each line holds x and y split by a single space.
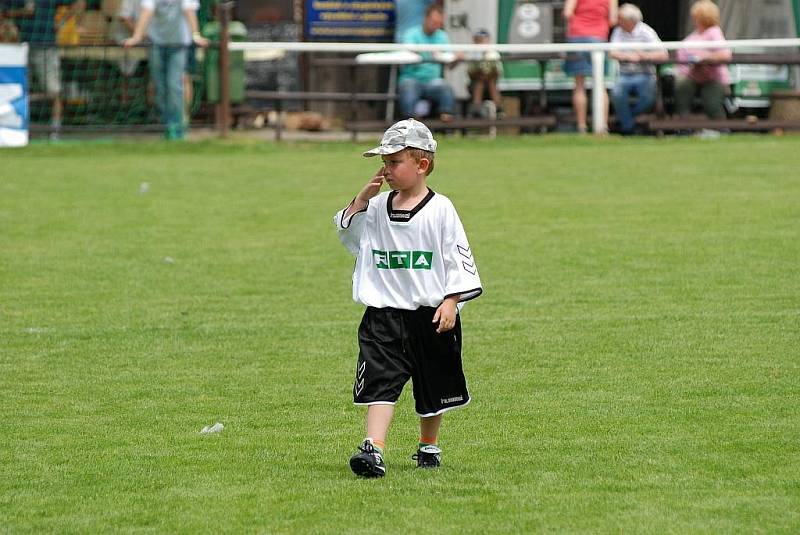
367 461
428 457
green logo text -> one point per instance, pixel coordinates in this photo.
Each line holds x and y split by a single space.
403 259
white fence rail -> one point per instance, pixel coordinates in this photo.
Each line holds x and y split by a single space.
597 50
548 48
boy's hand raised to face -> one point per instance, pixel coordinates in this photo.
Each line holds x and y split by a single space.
372 188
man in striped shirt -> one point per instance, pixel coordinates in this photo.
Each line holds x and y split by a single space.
637 74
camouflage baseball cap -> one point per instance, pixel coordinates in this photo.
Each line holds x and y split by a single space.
404 134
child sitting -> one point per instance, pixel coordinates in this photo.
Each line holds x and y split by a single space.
484 70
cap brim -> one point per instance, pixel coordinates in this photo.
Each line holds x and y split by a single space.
383 150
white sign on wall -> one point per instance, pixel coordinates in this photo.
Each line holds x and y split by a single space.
13 95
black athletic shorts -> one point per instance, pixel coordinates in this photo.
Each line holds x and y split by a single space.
397 345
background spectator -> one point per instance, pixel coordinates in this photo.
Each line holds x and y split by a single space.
8 30
124 26
637 77
483 73
588 21
424 80
171 37
700 74
36 21
409 14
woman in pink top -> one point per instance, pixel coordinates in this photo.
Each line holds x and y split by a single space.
588 21
712 80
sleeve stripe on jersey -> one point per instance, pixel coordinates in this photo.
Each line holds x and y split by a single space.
466 295
350 219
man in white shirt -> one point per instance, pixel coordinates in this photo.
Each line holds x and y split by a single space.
637 74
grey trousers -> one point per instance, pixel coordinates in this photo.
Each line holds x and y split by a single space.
712 95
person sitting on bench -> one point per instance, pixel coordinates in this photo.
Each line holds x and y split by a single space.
696 72
424 80
637 77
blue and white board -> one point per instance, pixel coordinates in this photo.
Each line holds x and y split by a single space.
13 95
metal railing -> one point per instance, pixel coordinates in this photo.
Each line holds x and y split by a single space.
598 53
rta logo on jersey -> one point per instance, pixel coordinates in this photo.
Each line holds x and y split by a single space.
403 259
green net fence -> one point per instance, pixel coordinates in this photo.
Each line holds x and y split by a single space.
80 77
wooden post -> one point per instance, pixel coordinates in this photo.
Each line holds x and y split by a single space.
224 74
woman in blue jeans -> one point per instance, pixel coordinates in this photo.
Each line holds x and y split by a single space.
172 28
588 21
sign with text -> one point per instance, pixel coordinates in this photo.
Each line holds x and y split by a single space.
13 95
346 21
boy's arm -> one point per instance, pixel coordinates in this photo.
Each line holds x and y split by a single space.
446 313
350 229
461 272
372 188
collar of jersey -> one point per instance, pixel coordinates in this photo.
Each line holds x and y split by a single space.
404 216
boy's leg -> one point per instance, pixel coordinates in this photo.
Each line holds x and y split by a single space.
439 382
477 89
381 372
429 429
429 455
368 460
494 91
379 417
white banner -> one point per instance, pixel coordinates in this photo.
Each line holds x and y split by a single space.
13 95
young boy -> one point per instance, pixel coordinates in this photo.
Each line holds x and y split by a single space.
414 269
483 71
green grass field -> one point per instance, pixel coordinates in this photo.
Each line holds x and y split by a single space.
634 361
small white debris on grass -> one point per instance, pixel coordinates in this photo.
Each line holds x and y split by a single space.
169 260
216 428
35 330
144 187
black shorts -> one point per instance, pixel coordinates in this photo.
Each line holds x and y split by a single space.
398 345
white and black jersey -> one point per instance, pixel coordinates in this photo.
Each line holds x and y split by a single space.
408 259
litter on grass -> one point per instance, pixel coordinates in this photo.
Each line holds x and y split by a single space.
216 428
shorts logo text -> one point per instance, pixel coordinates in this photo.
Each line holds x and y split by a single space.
403 259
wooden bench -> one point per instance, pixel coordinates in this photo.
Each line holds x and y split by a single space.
699 122
541 122
661 123
354 126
